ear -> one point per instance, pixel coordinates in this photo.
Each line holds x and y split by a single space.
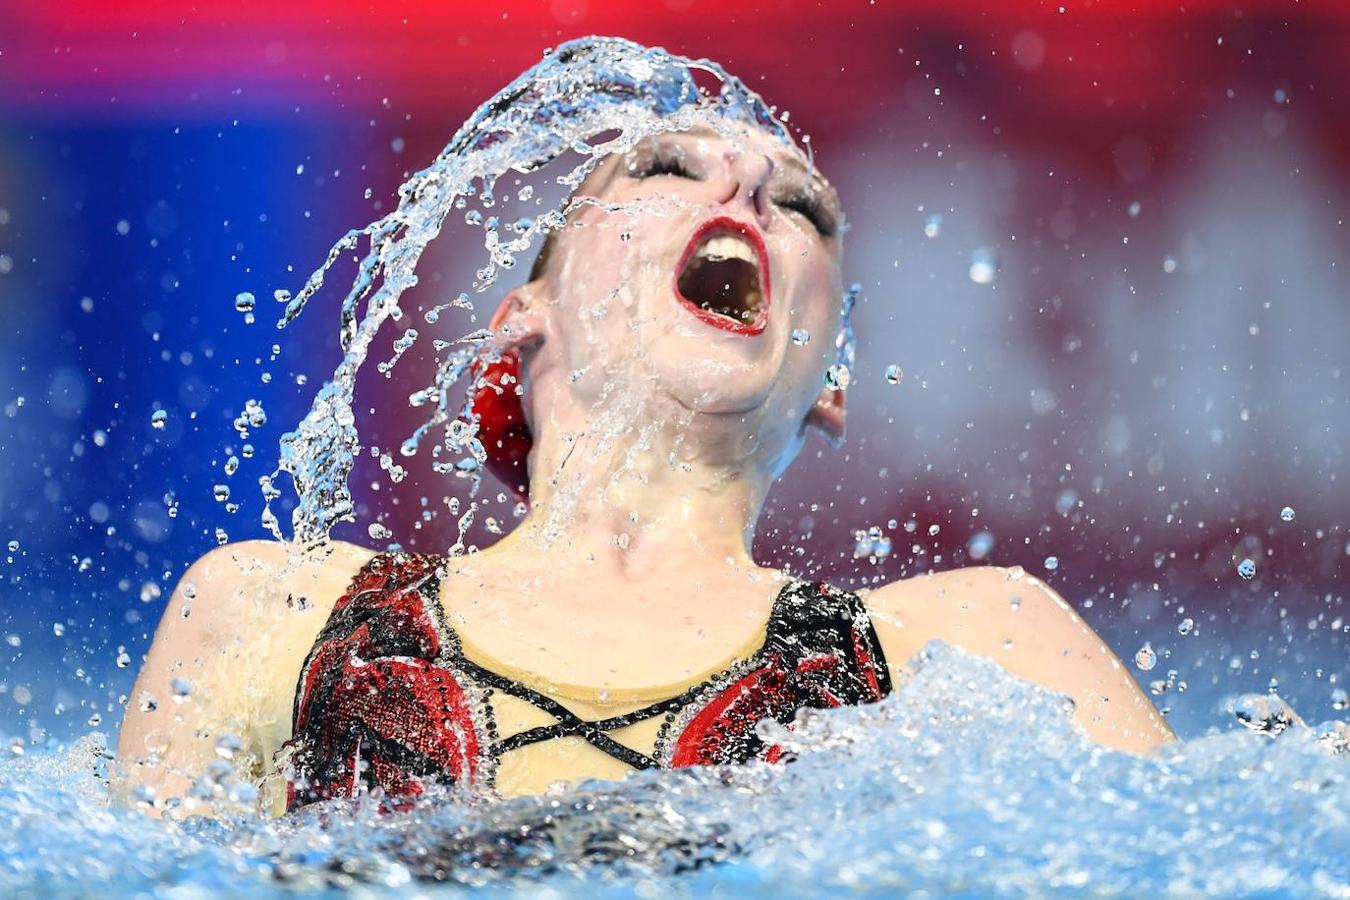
519 319
828 414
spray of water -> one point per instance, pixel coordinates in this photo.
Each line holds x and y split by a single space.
940 789
585 101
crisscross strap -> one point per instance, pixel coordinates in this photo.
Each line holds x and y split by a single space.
385 696
569 724
819 650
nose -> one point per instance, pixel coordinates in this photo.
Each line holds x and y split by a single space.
747 176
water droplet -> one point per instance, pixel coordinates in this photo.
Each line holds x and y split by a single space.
1340 699
227 746
1247 569
837 377
934 529
158 419
1287 514
1145 658
980 543
1066 501
245 302
182 689
123 658
932 226
221 492
893 374
1052 563
983 266
378 532
1186 626
58 629
1266 714
800 336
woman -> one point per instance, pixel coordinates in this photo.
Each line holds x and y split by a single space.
623 624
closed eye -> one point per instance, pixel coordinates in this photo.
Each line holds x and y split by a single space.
662 164
810 208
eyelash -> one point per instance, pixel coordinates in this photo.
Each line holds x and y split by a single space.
664 165
806 206
801 204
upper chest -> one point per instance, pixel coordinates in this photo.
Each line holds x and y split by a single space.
599 636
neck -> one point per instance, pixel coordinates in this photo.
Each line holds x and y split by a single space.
636 496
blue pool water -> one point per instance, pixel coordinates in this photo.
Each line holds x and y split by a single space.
966 782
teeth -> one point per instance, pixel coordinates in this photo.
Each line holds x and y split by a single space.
726 247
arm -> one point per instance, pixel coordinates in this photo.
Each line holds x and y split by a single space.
218 682
1039 639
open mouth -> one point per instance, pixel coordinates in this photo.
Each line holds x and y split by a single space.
723 277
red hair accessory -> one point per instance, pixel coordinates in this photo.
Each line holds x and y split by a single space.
502 428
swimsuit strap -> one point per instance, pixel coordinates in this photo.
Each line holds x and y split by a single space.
386 587
593 731
372 707
818 638
819 646
825 633
568 724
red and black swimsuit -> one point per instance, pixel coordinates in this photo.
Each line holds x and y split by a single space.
387 698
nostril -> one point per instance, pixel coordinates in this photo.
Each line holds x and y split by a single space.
759 202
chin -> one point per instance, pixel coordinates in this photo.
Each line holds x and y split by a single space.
708 376
712 395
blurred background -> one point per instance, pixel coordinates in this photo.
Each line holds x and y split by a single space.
1103 245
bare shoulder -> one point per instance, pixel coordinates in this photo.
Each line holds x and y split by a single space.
975 597
1021 623
251 563
226 655
228 595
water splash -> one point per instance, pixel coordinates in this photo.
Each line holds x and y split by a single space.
589 99
966 781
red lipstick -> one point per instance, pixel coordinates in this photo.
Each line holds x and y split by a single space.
725 225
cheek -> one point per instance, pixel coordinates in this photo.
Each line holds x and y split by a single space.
816 297
595 300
